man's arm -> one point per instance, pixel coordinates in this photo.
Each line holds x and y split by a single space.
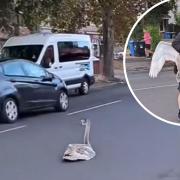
176 43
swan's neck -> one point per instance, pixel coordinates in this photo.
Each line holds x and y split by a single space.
87 133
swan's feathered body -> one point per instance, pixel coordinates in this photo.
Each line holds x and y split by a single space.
163 52
84 151
79 152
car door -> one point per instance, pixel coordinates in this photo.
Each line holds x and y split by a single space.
14 73
44 91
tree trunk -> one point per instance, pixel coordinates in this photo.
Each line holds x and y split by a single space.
16 26
108 38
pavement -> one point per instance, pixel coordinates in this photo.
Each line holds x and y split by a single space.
134 65
118 75
130 144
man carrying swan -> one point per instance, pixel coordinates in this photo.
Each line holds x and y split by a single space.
176 46
166 51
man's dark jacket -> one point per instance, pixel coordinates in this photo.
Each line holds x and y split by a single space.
176 43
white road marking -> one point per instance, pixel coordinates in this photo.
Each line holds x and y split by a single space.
13 129
94 107
155 87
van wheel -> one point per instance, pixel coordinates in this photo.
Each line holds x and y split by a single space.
84 89
63 102
9 112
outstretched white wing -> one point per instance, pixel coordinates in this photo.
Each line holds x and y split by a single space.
164 52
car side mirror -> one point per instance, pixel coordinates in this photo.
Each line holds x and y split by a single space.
51 75
48 77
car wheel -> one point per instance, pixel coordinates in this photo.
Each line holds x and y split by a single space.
84 89
63 102
9 111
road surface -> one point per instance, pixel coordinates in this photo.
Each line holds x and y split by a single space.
158 95
130 144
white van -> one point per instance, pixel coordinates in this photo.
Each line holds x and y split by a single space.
69 56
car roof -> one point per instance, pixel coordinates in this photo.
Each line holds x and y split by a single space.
42 38
12 59
4 60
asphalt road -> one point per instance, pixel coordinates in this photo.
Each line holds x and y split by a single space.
130 144
158 95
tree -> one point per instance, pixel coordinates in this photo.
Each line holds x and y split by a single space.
6 14
62 15
34 12
68 16
114 19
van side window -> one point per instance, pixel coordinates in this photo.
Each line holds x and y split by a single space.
48 58
73 51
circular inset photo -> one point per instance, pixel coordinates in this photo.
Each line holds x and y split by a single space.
152 61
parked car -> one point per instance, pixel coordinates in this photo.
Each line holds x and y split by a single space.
69 56
118 55
26 86
118 52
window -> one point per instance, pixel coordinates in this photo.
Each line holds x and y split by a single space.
161 26
33 70
164 25
29 52
73 51
13 69
48 58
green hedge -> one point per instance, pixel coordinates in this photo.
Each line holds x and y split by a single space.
155 34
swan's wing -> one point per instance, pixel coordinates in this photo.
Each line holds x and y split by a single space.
164 52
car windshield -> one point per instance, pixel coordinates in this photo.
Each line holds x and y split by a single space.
29 52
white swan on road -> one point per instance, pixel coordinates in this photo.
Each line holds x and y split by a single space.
84 151
163 52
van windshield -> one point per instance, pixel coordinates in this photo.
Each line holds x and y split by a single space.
29 52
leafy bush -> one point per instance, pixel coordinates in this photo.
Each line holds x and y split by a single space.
177 19
155 34
138 33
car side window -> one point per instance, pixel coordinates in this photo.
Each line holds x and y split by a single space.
48 58
33 70
73 51
1 70
13 69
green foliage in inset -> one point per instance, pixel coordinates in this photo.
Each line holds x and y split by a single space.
178 19
151 22
156 15
155 34
138 33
